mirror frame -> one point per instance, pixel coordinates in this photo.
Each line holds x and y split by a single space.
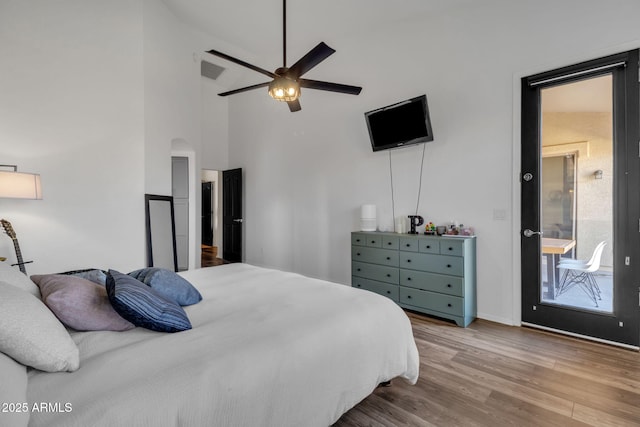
149 231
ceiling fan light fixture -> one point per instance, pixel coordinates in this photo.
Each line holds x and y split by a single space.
284 89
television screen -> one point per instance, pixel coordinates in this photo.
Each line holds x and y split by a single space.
401 124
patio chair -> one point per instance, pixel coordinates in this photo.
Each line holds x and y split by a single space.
580 272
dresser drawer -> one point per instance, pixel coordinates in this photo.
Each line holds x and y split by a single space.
358 239
374 241
452 285
452 246
375 272
432 301
384 289
429 246
390 242
443 264
375 255
409 244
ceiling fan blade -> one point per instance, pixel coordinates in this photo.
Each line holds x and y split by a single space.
294 106
332 87
244 89
240 62
310 60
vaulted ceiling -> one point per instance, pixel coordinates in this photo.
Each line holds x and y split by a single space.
252 29
255 26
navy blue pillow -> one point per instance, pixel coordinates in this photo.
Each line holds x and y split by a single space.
142 306
169 284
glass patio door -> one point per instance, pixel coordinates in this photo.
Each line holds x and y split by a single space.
579 197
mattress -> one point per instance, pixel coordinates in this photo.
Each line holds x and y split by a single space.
267 348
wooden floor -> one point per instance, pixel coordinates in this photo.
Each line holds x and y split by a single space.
209 257
495 375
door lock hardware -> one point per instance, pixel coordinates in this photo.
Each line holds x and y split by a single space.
528 232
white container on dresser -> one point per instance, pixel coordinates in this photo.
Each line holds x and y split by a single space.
430 274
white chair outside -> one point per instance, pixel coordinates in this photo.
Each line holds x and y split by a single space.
571 261
580 272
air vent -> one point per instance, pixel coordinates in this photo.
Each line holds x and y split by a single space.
210 70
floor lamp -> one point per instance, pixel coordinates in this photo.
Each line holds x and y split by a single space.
18 185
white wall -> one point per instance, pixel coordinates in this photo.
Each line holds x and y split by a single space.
306 174
94 92
72 110
96 96
177 103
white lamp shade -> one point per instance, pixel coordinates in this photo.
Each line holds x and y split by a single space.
19 185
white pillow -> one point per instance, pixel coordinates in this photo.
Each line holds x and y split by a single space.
32 335
13 276
13 393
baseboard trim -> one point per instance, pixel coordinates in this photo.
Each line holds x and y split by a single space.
585 337
496 319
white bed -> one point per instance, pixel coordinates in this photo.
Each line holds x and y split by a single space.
267 348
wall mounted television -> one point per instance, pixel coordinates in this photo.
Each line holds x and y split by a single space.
401 124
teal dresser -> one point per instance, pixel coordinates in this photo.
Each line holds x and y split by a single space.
430 274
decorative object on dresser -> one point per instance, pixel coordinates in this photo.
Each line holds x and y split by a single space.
368 218
430 274
414 221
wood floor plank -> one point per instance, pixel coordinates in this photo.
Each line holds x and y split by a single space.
595 417
519 412
496 375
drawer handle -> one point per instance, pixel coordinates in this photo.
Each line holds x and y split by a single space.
449 305
357 240
450 248
408 296
373 241
388 292
388 275
358 269
388 258
448 265
408 245
409 279
448 285
389 243
357 253
408 260
428 246
358 285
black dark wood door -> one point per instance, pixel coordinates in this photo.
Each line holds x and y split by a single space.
232 215
207 218
542 289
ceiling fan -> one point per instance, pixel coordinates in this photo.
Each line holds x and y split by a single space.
287 81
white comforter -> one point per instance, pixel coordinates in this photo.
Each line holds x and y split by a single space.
267 348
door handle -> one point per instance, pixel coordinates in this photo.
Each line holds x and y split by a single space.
237 220
528 232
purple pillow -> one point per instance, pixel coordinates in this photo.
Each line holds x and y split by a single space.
79 303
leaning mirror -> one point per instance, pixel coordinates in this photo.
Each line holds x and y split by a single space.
161 232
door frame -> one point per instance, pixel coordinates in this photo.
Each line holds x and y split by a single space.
629 220
515 318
